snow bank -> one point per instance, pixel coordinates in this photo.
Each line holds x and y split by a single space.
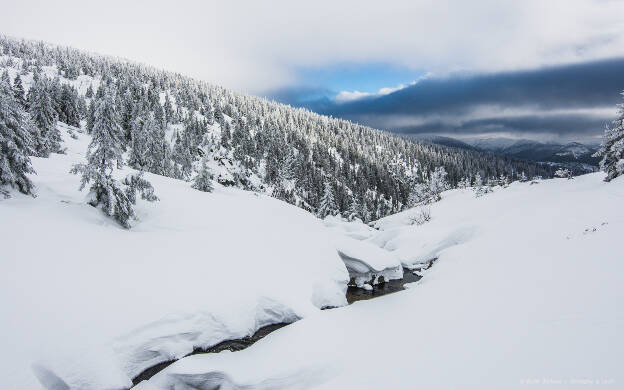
527 289
355 229
88 305
367 262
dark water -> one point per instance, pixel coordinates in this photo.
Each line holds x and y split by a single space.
231 345
354 294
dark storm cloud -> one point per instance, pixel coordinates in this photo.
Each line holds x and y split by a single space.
535 101
564 126
582 85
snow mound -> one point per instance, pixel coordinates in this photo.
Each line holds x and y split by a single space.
365 261
355 229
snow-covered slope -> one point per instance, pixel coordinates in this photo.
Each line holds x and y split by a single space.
527 290
89 305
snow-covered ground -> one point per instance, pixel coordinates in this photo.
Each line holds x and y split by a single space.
89 305
527 291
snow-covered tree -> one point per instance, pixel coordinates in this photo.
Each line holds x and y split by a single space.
182 156
612 148
168 109
364 211
563 173
430 190
353 212
15 142
523 177
503 181
18 92
420 193
328 203
288 167
44 115
103 155
478 187
142 128
438 183
464 183
69 111
203 180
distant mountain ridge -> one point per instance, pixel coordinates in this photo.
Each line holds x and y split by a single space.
573 155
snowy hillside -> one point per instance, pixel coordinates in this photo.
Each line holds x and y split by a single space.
92 304
170 122
527 289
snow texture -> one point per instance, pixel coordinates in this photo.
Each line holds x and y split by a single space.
88 305
527 289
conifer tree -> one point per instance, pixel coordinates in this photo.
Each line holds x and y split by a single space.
104 153
139 142
328 203
438 183
364 211
478 186
69 105
353 212
15 142
564 173
18 92
203 180
523 177
44 116
503 181
182 156
612 148
168 108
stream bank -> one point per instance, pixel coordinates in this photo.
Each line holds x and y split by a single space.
353 294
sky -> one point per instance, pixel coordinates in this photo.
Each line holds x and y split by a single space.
548 70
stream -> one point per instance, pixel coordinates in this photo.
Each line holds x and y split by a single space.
354 294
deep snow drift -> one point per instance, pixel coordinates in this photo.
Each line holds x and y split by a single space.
527 290
89 305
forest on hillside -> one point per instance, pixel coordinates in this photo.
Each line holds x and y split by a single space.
174 125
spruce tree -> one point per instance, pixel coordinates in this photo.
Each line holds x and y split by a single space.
203 180
612 148
103 155
353 212
18 92
182 156
139 143
364 210
564 173
44 116
15 142
328 203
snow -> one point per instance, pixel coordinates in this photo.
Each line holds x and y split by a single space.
88 305
364 260
527 289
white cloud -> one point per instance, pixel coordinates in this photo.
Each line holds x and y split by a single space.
253 45
347 96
